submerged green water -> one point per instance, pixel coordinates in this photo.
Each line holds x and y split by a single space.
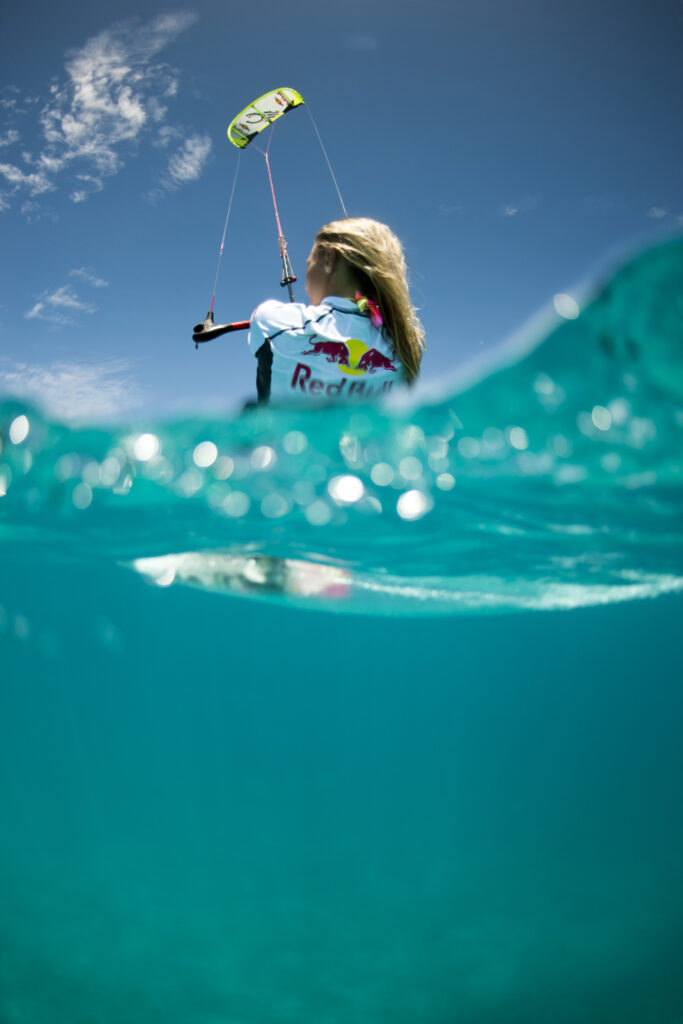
221 803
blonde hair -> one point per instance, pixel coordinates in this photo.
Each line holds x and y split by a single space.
375 256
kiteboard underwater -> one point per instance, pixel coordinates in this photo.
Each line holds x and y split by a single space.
548 479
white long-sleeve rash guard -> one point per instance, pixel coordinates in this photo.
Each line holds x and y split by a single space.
329 352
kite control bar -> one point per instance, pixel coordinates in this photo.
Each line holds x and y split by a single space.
207 330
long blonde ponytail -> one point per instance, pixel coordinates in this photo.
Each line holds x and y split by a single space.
375 255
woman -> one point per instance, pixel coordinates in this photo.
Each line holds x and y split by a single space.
359 338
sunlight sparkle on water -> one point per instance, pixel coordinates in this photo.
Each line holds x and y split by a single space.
566 306
641 430
294 442
469 447
145 447
437 463
620 410
382 474
262 458
303 492
410 468
518 438
19 429
602 417
205 454
611 462
236 504
275 505
109 471
411 436
189 482
493 438
543 385
346 489
561 446
81 496
91 473
437 447
569 474
413 505
318 513
215 496
223 467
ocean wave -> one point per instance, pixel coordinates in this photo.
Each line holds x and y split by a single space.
547 478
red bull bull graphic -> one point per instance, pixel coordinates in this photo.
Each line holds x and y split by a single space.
373 360
333 351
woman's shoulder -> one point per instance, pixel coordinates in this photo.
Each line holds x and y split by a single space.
282 316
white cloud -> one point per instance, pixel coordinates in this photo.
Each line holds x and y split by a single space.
187 163
73 391
41 311
184 166
524 205
12 101
67 297
166 135
35 183
88 275
34 212
9 138
657 212
63 307
111 97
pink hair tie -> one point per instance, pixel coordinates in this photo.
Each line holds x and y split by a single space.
371 308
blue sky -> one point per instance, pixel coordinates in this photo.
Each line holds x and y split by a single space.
514 145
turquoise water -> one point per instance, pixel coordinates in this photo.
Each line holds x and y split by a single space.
357 714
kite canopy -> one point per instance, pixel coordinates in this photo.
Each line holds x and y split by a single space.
259 114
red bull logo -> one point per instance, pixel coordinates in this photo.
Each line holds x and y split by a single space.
353 358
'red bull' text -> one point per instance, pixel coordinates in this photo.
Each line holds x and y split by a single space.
304 381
